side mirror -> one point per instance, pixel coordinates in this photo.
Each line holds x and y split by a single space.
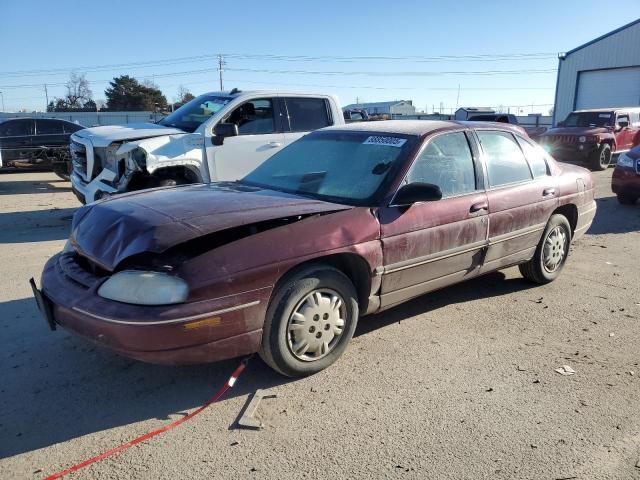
560 124
416 192
621 125
222 131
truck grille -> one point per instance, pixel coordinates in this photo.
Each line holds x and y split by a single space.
78 158
562 139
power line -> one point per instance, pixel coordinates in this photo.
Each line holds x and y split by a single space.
286 58
394 74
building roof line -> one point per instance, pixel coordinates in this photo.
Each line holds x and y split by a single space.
602 37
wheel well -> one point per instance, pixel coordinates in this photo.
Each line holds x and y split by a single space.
190 174
352 265
570 211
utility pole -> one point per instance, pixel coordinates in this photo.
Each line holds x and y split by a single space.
46 95
458 97
221 64
2 101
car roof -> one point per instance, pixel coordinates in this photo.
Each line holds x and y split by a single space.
418 127
37 118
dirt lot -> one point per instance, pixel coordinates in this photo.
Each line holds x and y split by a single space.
456 384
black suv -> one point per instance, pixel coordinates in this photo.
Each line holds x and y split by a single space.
37 142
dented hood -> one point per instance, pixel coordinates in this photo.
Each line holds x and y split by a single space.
103 136
107 232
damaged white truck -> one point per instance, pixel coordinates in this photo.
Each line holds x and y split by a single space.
218 136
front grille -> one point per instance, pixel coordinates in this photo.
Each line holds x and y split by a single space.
80 269
638 166
78 158
562 139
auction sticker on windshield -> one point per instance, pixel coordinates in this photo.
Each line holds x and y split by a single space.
385 141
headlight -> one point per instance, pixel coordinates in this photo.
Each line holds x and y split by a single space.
582 139
625 160
144 288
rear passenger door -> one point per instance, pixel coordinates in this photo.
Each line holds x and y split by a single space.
49 133
303 115
429 245
521 195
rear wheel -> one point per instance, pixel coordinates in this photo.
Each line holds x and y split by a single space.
627 199
601 159
310 321
551 253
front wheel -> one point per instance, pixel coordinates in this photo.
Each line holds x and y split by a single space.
310 320
551 253
601 159
626 199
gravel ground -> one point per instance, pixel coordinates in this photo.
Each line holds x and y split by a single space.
457 384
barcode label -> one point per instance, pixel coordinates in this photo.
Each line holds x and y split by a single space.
385 141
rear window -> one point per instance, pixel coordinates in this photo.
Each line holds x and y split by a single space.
505 161
306 114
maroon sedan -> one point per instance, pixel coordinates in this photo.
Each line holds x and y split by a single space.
345 222
625 181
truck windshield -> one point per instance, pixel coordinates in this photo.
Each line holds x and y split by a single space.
589 119
351 168
191 115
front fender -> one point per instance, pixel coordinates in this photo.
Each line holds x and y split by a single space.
167 151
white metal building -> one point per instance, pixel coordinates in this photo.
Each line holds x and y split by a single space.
397 107
602 73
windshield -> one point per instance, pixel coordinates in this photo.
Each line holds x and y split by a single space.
191 115
589 119
337 166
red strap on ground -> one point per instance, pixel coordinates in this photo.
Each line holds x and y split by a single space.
147 436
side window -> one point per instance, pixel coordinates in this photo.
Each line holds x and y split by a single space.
505 160
447 162
307 114
623 120
17 128
71 128
255 117
49 127
536 158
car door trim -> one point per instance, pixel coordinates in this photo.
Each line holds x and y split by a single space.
518 233
433 257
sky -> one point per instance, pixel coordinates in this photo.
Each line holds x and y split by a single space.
437 54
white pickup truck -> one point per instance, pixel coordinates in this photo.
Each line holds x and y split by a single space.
217 136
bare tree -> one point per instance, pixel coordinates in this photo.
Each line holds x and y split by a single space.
78 91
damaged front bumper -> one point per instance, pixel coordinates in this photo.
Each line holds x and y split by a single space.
192 332
96 189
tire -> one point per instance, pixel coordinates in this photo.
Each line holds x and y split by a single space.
626 199
601 159
537 269
313 326
62 171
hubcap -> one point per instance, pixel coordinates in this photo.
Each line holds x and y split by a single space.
555 247
604 158
316 324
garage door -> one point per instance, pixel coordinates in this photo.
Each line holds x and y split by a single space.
618 87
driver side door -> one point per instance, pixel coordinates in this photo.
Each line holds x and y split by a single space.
429 245
260 135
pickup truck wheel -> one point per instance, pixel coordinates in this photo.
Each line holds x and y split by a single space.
551 253
601 159
62 171
626 199
310 320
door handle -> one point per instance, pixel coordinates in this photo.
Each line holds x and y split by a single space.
548 192
274 144
476 207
